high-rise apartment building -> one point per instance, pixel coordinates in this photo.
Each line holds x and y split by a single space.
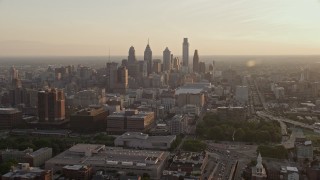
51 105
196 61
185 52
148 58
167 59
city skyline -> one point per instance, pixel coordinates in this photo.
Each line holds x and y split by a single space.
60 28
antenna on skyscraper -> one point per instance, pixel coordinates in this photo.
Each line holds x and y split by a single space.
148 41
109 55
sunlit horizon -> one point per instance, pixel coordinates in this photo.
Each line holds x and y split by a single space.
214 27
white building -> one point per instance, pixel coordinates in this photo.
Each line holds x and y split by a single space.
99 157
178 125
289 173
279 92
140 140
258 171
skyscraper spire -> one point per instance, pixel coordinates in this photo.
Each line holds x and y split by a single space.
109 55
148 58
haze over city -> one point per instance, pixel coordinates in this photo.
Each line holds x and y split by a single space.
215 27
160 90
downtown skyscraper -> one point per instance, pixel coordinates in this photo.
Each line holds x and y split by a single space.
133 66
167 59
148 58
51 105
196 61
132 55
185 52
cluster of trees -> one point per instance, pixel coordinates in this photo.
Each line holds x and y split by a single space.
213 128
5 166
193 145
176 142
278 152
58 145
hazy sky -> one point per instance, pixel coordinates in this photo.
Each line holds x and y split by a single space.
91 27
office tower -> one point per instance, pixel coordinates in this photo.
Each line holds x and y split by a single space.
111 75
51 105
117 78
202 67
143 68
133 66
122 80
42 106
18 96
185 52
196 61
166 59
157 66
148 58
176 63
132 55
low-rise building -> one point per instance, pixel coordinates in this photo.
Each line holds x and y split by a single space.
23 171
187 163
38 157
77 172
304 150
289 173
178 124
9 118
160 129
139 140
33 158
89 119
112 158
190 109
129 120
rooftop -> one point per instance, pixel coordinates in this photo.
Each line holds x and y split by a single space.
142 136
8 110
184 90
74 167
98 154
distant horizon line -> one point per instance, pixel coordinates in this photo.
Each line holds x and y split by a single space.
41 56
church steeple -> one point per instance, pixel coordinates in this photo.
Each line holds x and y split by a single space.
259 171
259 166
